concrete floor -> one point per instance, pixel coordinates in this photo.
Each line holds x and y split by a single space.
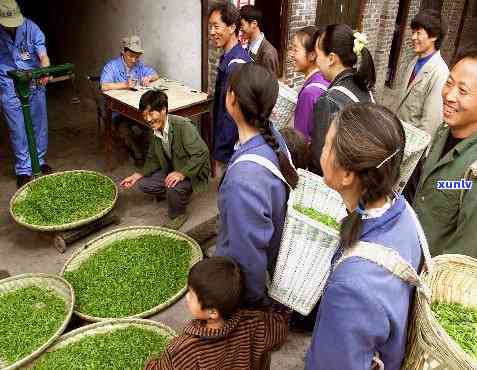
74 144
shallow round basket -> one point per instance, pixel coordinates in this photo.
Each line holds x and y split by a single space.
103 241
453 279
106 327
60 286
22 192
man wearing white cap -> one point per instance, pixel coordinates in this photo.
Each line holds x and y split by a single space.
124 72
22 46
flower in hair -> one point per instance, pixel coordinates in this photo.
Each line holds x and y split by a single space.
360 42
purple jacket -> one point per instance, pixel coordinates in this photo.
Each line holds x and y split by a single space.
308 96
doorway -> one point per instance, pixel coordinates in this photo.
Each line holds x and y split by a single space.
275 31
396 46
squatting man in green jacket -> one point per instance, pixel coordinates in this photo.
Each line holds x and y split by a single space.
177 162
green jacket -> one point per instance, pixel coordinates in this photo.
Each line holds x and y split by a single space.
190 155
449 222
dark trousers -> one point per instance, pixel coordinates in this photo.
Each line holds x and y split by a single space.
177 197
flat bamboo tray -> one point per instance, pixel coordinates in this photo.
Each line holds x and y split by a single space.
54 283
22 192
103 241
106 327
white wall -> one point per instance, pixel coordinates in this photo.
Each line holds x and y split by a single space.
90 32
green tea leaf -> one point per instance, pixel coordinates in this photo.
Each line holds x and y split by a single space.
318 216
131 276
28 318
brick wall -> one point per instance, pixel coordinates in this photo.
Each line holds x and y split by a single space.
470 24
378 23
301 13
452 10
407 53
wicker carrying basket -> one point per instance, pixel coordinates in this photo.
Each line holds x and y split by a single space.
416 143
284 107
54 283
22 192
307 246
452 279
104 240
106 327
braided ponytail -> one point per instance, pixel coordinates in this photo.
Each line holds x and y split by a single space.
257 91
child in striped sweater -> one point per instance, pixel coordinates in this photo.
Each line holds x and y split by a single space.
222 336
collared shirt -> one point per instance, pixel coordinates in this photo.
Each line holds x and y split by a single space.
255 44
165 137
116 71
448 216
22 53
348 339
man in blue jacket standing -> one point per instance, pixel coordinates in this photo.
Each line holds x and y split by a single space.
224 22
22 46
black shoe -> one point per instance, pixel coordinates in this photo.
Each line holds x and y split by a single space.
46 169
22 180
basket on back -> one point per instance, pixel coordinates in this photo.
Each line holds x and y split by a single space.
453 279
284 107
307 246
417 141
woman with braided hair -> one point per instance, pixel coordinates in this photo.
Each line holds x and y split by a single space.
254 190
363 313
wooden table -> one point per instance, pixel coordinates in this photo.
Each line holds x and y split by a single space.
183 101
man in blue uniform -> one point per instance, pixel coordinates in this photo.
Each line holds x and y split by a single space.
22 46
125 72
224 22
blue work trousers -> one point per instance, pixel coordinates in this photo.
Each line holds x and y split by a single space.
13 113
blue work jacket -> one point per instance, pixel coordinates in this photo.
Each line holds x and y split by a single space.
225 130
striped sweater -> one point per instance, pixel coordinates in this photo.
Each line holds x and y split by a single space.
243 343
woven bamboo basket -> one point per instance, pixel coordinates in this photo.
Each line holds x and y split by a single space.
284 107
416 143
53 283
104 240
307 246
23 191
106 327
453 279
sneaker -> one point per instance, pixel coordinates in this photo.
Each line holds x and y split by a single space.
23 179
46 169
176 223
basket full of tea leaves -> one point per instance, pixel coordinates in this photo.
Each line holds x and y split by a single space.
130 272
117 344
63 200
34 310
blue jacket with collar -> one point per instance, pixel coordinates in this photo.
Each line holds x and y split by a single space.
225 130
365 308
252 206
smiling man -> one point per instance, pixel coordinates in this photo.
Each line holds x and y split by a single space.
420 100
448 214
177 162
224 23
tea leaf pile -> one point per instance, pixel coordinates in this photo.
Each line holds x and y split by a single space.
28 318
65 198
131 276
318 216
460 323
121 349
